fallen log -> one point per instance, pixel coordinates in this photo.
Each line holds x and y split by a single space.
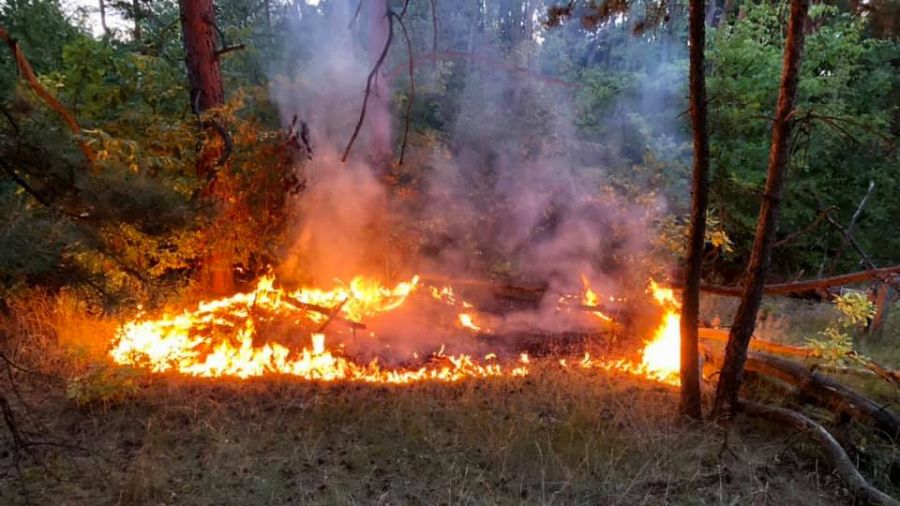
834 452
721 335
818 389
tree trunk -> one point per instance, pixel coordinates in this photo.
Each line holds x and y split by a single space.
690 298
204 75
206 92
103 18
745 321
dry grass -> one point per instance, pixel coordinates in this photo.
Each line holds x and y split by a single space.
556 437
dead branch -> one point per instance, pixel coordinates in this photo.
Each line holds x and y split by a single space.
848 233
228 49
801 286
834 452
815 223
331 315
534 293
412 84
434 26
369 80
52 102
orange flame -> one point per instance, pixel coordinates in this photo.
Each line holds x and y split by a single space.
218 338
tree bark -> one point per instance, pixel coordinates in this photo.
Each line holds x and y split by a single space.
760 258
103 18
690 297
204 75
206 92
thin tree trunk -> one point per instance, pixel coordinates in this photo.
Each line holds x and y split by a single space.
103 17
690 304
136 13
760 258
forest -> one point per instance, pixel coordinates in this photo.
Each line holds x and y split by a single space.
260 252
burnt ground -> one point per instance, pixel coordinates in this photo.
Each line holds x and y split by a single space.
556 437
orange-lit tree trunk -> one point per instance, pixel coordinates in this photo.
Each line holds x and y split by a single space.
206 92
726 401
690 297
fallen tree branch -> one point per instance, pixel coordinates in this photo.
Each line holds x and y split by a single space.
721 335
816 388
801 286
52 102
834 452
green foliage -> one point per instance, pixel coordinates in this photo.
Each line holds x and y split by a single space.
844 113
835 343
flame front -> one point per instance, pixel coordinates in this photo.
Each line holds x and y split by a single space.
217 339
220 337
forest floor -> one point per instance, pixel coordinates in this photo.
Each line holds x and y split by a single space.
558 436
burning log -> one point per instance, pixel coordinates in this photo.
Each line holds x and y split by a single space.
818 389
834 452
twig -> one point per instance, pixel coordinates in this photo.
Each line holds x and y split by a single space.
228 49
369 80
412 85
815 223
331 315
851 226
355 15
434 26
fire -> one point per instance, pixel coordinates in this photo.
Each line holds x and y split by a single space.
465 319
217 339
221 338
591 299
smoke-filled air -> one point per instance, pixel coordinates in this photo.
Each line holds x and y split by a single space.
266 252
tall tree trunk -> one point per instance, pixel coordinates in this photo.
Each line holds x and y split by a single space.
206 92
204 75
745 321
690 297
